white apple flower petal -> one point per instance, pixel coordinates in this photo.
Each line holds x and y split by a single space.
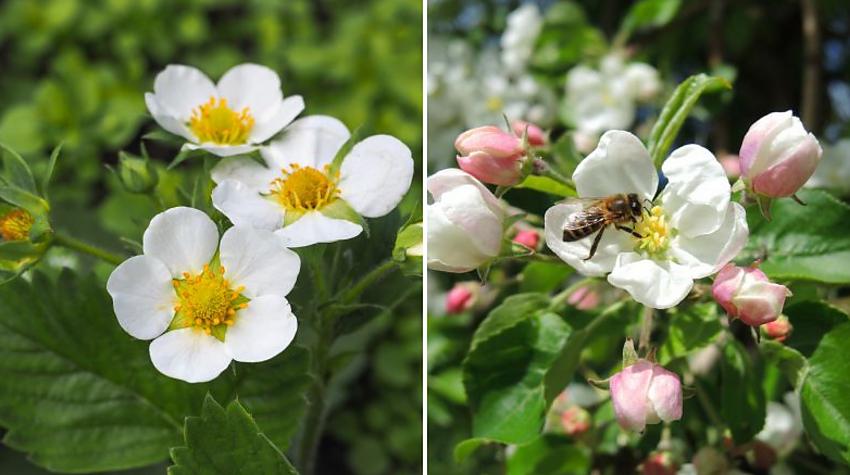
257 260
190 355
246 207
249 173
613 242
697 193
620 164
314 227
285 113
704 255
142 296
184 239
180 89
312 141
253 86
262 330
452 243
375 175
656 284
446 180
466 208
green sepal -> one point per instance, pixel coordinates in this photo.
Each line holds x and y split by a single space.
186 154
51 167
630 356
340 209
34 204
160 135
343 151
291 216
16 171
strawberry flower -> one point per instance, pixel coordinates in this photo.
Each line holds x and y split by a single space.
688 232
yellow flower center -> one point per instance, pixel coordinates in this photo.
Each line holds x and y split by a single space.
15 225
655 231
495 104
206 300
216 122
305 188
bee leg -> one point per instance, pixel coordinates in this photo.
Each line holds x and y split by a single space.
595 244
630 231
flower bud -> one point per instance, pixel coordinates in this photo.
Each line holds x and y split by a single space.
529 238
536 136
462 297
584 298
746 293
645 393
778 329
464 222
137 174
491 155
575 421
659 463
778 155
731 165
15 225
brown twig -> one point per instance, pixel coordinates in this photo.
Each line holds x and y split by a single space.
810 102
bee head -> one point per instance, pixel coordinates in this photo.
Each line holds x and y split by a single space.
634 204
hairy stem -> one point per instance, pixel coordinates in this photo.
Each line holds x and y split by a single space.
645 330
75 244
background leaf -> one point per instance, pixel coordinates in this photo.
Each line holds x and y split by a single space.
742 397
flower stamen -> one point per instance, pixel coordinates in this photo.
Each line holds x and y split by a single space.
15 225
305 188
216 122
207 299
655 230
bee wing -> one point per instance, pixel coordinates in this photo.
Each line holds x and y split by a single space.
590 214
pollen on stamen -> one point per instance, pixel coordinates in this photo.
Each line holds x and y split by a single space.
207 299
655 230
215 122
305 188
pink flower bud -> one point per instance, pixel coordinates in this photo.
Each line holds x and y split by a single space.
747 293
584 298
491 155
462 297
645 393
731 165
659 463
778 155
778 329
529 238
575 421
536 137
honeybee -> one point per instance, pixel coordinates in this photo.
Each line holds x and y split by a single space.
599 213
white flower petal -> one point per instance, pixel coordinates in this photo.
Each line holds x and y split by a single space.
262 330
450 247
312 141
253 86
314 227
184 239
446 180
285 113
620 164
466 208
258 260
222 150
189 354
253 175
704 255
142 296
245 207
698 191
180 89
165 120
573 253
375 175
652 283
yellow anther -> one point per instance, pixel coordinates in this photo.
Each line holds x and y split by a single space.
206 299
216 122
655 230
305 188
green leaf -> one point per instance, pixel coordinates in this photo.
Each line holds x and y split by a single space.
544 277
227 442
160 135
186 154
24 199
649 14
742 405
16 170
51 167
803 242
792 364
566 38
69 372
546 185
340 209
503 373
677 109
690 328
549 455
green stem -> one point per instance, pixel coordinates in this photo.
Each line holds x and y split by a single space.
551 173
645 330
85 248
367 280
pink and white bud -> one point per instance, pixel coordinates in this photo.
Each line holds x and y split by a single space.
747 293
778 155
659 463
778 329
491 155
536 136
575 421
462 297
645 393
584 298
529 238
731 165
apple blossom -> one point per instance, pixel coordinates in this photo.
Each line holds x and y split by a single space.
529 238
462 296
523 26
778 329
491 155
297 193
689 231
575 420
748 294
645 393
465 222
659 463
205 303
536 136
244 109
778 155
584 298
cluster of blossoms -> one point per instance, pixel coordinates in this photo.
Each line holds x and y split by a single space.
205 302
